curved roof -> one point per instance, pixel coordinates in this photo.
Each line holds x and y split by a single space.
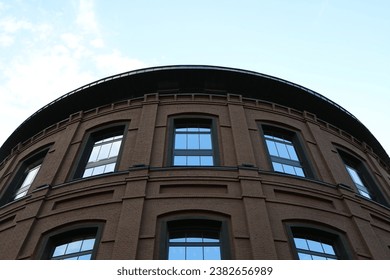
192 79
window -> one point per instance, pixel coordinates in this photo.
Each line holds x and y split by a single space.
193 142
361 178
24 177
285 154
101 152
317 243
195 239
71 243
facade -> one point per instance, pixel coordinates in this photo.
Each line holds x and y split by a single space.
193 162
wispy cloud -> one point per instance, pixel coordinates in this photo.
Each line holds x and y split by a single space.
48 59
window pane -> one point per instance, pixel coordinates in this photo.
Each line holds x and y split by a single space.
365 194
88 244
85 257
180 160
315 246
300 243
355 176
289 169
60 250
98 170
328 249
194 253
104 151
193 160
282 150
277 167
303 256
212 253
205 141
318 258
180 141
115 149
177 253
299 171
292 153
194 239
272 148
206 161
109 168
94 154
193 141
31 175
74 247
88 172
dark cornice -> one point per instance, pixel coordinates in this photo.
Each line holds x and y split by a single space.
191 79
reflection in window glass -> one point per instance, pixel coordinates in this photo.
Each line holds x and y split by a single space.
196 245
75 250
23 189
358 182
309 249
283 155
103 156
193 145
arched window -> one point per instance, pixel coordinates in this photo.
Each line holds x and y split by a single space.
71 243
195 239
101 152
193 141
285 151
310 242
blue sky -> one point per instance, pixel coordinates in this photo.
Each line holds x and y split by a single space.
338 48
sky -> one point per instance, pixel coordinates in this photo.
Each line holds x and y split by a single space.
339 48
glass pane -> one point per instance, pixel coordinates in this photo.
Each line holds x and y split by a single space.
204 129
299 171
177 253
315 246
355 176
277 167
87 172
365 194
206 161
177 239
292 152
194 253
205 141
115 149
179 160
74 247
94 154
193 160
318 258
272 148
193 129
289 169
98 170
71 259
109 168
87 244
59 250
194 238
193 141
85 257
303 256
183 129
300 243
31 175
282 150
212 253
328 249
181 141
104 151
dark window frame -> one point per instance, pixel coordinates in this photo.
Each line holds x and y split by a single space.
297 142
191 120
321 233
192 224
66 234
359 165
92 136
27 164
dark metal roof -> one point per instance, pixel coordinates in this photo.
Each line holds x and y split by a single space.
192 79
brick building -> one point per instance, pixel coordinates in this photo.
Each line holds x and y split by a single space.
193 162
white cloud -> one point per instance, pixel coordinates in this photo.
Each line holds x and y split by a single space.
48 60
